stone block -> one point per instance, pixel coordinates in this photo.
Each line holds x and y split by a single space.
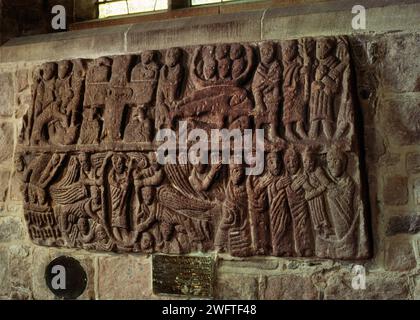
6 95
4 272
400 64
193 31
401 118
290 287
236 286
4 184
416 294
15 192
413 162
20 263
22 79
379 286
374 145
334 18
259 264
40 260
23 103
65 45
395 191
399 255
6 141
11 229
409 223
416 192
125 277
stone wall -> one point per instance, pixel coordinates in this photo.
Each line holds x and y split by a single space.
387 68
30 17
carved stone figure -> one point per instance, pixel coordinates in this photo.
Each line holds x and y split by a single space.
119 184
224 64
295 89
139 127
344 204
43 97
90 131
88 165
233 230
315 188
323 89
302 232
169 87
266 90
279 212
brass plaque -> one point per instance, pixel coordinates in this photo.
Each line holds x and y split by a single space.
182 275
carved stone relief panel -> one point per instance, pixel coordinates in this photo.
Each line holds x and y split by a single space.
89 171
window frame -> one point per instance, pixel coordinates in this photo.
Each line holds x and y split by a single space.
104 2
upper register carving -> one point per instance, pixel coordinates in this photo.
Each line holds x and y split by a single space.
90 178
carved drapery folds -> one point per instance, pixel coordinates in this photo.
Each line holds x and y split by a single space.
90 177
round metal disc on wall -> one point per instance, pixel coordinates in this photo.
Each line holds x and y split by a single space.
66 278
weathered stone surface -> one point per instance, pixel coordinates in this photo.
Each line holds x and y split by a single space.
20 264
403 224
128 278
236 286
262 264
290 287
4 184
6 95
189 31
11 228
15 188
22 79
91 177
326 18
401 120
379 286
391 159
374 145
400 72
399 255
416 192
40 260
23 103
413 162
416 295
87 43
6 141
4 272
396 190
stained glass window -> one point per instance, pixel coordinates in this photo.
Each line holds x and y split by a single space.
199 2
109 8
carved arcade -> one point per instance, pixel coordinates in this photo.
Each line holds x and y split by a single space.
90 178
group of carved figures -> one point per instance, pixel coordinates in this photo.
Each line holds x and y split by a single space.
297 90
303 205
90 177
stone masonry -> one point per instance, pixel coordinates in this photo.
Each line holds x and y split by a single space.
387 73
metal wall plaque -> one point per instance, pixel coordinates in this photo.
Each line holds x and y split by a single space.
182 275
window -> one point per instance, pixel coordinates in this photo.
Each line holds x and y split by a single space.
109 8
200 2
